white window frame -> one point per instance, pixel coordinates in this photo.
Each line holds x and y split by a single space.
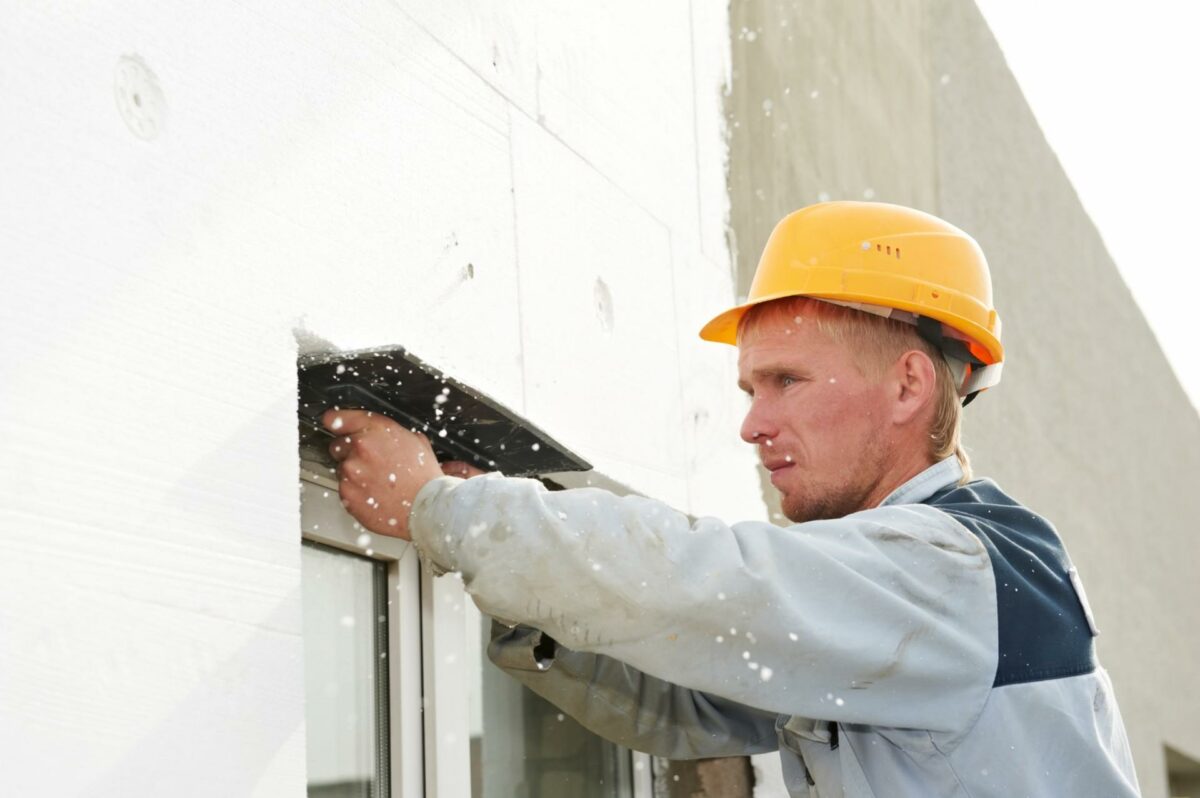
324 520
430 752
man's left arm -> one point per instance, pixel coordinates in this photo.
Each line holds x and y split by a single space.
624 705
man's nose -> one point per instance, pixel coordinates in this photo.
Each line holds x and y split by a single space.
757 426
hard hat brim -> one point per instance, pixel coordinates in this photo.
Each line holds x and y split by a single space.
723 328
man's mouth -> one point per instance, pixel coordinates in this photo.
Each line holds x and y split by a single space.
777 467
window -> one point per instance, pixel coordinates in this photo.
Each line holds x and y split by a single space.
401 698
362 647
523 745
345 659
380 636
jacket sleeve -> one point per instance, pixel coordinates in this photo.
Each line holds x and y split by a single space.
884 617
628 707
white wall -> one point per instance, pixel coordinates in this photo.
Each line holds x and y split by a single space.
332 167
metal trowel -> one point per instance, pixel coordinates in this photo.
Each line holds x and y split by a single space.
461 422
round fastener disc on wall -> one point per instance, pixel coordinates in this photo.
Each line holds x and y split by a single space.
139 97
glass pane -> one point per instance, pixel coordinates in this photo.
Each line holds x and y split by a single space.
345 675
522 746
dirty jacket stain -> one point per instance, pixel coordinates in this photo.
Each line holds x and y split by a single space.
937 645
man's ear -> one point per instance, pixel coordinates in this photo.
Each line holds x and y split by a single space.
915 381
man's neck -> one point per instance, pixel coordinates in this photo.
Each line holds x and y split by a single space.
896 476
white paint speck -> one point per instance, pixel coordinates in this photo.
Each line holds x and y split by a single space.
337 422
766 673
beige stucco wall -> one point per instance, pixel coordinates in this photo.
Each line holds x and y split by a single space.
913 103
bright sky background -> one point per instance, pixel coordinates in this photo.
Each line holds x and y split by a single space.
1116 88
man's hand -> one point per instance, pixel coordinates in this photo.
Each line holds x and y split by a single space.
381 468
463 470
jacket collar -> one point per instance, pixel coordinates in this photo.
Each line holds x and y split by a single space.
940 475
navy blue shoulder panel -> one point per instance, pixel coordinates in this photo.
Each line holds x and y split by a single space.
1044 633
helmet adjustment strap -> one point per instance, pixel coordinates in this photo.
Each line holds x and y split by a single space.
971 373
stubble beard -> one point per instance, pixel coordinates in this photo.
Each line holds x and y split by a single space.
838 505
839 500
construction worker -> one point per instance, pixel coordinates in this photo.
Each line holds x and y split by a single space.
913 633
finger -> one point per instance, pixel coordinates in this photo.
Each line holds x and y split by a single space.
353 470
340 448
352 495
346 422
358 500
458 468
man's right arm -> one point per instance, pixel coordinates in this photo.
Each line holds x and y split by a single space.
624 705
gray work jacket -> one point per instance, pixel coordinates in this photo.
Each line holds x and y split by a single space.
937 645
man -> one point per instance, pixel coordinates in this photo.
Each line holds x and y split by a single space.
914 633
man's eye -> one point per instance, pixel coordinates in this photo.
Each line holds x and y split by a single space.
787 380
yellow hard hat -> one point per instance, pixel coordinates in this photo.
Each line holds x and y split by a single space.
889 260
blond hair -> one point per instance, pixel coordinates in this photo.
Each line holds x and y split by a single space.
876 342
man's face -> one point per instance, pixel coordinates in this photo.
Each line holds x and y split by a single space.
819 425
